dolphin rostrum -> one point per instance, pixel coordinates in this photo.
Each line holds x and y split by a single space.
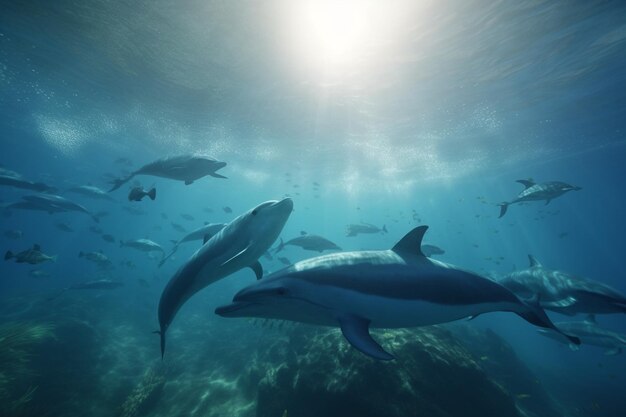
386 289
187 168
589 333
537 192
564 293
236 246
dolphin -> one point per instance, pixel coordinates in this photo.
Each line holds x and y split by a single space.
564 293
384 289
536 192
91 192
204 233
13 179
589 333
187 168
309 242
355 229
50 203
237 245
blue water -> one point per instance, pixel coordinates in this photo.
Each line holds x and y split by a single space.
432 108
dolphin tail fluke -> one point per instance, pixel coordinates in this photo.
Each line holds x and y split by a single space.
54 258
534 314
152 194
503 208
117 183
8 255
162 336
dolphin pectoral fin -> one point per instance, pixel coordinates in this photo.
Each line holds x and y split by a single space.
187 182
216 175
411 243
573 347
503 207
258 269
613 352
356 331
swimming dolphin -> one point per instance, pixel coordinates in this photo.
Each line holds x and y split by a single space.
91 192
13 179
589 333
50 203
309 242
564 293
187 168
236 246
388 289
204 233
144 245
355 229
535 192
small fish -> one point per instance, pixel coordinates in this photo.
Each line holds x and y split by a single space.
227 209
98 258
188 217
138 193
108 238
284 260
134 211
302 233
13 234
64 227
38 273
31 256
178 227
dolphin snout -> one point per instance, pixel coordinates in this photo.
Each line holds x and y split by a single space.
287 203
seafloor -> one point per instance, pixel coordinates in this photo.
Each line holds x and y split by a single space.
87 358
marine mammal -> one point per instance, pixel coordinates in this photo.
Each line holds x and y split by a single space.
564 293
589 333
309 242
237 245
50 203
536 192
187 168
392 288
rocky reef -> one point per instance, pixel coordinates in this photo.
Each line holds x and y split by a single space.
318 373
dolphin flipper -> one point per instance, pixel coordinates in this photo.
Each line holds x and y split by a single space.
258 269
356 331
503 207
216 175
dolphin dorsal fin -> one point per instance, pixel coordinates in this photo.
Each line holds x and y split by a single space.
533 261
526 183
411 243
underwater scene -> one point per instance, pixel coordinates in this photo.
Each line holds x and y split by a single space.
307 208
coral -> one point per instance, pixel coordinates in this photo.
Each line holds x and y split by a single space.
145 396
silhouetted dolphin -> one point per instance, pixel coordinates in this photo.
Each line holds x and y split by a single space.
389 289
18 182
564 293
238 245
309 242
535 192
589 333
49 203
187 168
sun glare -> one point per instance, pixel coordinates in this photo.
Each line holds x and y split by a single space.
332 36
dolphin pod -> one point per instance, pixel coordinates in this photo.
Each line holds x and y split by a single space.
393 288
237 245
